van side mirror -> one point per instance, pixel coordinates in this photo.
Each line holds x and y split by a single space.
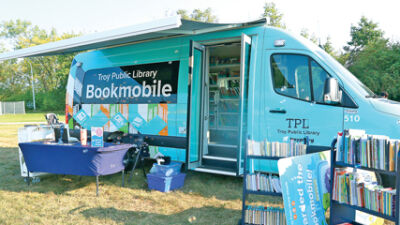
332 94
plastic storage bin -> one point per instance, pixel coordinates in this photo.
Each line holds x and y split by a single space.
165 184
172 169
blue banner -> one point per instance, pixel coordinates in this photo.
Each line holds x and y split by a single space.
305 182
147 84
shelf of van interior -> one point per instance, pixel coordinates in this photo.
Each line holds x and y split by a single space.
229 113
390 173
224 128
224 66
230 99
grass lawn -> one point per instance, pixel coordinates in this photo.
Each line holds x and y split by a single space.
9 135
57 199
28 117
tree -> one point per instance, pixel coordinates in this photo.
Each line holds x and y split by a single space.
384 73
273 15
372 58
183 13
313 38
329 48
12 29
50 72
365 32
198 15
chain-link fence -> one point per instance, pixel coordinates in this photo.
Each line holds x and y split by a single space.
12 107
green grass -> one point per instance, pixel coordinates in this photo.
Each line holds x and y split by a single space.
9 131
58 199
28 117
9 135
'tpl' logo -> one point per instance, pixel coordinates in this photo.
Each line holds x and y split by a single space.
298 123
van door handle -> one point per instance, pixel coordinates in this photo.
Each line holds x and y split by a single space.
277 110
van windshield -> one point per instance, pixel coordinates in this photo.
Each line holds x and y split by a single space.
359 86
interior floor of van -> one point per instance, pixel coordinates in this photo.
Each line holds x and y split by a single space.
221 108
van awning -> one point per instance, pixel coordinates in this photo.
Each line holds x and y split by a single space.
168 27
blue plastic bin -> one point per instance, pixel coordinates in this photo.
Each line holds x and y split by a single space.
165 184
171 169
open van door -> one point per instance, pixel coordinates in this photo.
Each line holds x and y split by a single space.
197 60
244 84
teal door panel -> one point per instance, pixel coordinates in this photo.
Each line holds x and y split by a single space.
244 84
196 65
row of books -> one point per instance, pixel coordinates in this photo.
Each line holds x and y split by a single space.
354 189
231 91
214 61
264 215
263 182
276 149
373 151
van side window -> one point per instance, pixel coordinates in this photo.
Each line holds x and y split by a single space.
319 76
291 76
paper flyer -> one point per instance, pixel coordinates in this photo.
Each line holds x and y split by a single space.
97 137
305 182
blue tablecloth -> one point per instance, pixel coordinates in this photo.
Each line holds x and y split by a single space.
74 159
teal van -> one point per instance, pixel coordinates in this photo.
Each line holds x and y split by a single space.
197 91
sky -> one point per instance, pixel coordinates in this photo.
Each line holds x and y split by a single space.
320 17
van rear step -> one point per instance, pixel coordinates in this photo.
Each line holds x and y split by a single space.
216 170
231 165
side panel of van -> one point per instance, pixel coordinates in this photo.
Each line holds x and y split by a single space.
164 119
167 119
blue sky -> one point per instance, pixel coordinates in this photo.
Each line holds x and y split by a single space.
322 17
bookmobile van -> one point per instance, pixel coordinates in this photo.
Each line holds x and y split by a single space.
197 91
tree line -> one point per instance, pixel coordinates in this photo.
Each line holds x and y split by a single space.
48 74
372 58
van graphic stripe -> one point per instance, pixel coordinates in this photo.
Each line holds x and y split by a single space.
69 109
164 112
164 132
104 109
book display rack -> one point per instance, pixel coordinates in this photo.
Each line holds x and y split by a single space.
351 189
260 183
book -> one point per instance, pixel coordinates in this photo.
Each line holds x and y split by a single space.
353 189
355 147
263 182
276 149
264 215
97 137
